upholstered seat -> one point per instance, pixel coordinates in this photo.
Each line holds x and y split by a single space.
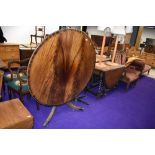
15 84
131 76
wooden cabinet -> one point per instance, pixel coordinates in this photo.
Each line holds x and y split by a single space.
150 45
149 58
9 52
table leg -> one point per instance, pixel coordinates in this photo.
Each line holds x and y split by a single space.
75 107
50 116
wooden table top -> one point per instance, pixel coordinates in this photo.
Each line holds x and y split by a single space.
102 58
61 67
28 46
107 66
9 44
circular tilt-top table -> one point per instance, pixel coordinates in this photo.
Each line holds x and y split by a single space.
61 67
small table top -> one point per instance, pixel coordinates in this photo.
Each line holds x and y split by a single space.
102 58
28 46
9 44
107 66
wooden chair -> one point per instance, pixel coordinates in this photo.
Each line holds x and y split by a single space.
17 81
19 84
39 33
130 75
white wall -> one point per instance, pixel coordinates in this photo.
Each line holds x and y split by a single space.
21 34
148 33
92 30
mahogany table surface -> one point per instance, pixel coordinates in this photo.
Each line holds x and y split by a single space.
61 67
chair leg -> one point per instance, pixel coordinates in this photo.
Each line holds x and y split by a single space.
21 98
36 39
28 96
127 86
37 105
1 99
3 87
9 93
13 94
31 40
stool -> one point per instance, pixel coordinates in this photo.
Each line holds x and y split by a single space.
13 115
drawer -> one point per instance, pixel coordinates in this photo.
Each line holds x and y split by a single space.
11 48
9 55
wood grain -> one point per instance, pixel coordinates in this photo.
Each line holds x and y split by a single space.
13 115
9 52
112 72
61 66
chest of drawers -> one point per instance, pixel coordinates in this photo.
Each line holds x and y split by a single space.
9 52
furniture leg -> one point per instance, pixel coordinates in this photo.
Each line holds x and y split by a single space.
127 86
36 39
1 99
21 98
28 96
3 87
37 105
50 116
100 89
75 107
9 92
80 100
31 40
13 93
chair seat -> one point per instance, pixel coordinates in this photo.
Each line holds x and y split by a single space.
146 68
15 84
